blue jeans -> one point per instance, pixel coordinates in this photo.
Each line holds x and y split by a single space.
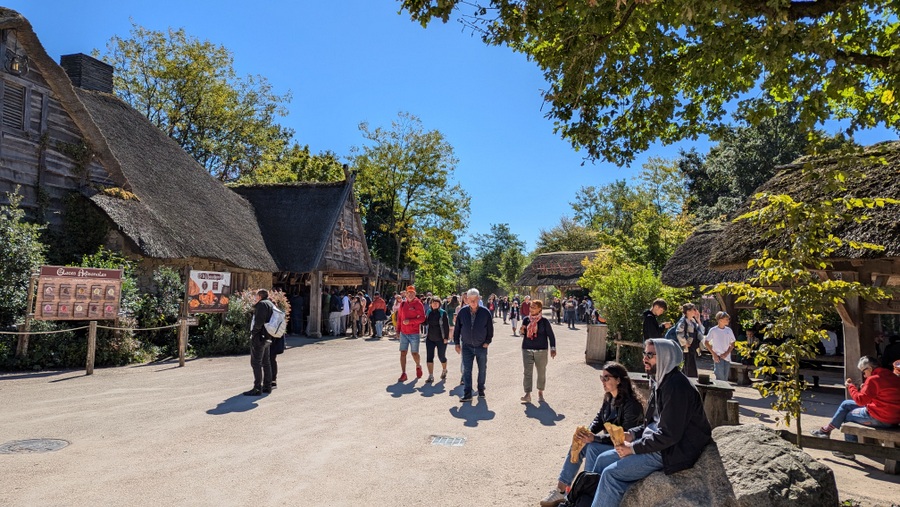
379 325
721 368
588 455
849 411
479 354
618 474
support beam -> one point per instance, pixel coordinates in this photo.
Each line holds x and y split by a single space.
314 326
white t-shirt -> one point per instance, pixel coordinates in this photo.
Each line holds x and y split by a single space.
721 339
830 344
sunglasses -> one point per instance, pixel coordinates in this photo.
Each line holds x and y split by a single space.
606 378
649 355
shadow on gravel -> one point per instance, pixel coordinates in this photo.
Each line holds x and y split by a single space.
473 412
237 403
38 374
544 413
429 390
399 389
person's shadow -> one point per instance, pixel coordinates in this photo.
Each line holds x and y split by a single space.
473 412
237 403
429 390
544 413
399 389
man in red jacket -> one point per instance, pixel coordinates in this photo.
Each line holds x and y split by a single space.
410 315
875 404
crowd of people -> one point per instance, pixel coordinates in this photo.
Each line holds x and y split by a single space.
666 432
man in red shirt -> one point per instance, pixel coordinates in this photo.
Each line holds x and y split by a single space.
875 404
409 317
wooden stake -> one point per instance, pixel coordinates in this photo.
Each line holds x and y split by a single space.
91 347
182 340
22 346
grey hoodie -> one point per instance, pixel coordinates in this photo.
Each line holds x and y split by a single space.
668 357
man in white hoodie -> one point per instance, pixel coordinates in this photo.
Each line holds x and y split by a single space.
674 433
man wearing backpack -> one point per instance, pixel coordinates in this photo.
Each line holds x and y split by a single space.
259 345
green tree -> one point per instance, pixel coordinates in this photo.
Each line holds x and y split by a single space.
189 89
434 271
509 269
568 236
404 187
787 285
298 164
21 253
624 74
489 249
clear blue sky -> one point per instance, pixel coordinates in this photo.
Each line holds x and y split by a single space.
347 61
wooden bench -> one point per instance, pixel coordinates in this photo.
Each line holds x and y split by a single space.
886 437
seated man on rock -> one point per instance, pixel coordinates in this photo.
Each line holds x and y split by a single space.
875 404
674 433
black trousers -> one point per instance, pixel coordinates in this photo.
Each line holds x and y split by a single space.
690 359
273 359
261 362
430 347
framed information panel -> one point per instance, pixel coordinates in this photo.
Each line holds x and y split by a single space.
73 293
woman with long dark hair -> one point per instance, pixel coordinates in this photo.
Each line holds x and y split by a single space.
622 406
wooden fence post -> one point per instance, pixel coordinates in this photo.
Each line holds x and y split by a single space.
91 348
182 339
22 346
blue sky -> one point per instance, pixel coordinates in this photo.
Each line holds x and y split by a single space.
348 61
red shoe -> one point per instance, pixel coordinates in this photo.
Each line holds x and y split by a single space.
418 372
402 378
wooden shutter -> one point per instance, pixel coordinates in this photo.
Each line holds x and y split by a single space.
14 106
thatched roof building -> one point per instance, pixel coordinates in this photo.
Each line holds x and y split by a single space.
738 242
157 197
689 264
560 269
311 226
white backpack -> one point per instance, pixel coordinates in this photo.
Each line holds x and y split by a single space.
277 324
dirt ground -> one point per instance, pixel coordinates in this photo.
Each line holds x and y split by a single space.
338 431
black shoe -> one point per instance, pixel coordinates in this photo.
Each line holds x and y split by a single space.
253 392
266 390
481 394
274 384
465 398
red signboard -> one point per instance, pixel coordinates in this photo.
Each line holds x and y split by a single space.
74 293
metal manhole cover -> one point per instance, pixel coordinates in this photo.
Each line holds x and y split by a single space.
34 445
447 441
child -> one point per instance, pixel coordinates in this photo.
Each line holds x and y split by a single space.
514 317
720 342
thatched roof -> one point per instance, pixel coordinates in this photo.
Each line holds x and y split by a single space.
180 210
739 243
561 269
689 265
298 220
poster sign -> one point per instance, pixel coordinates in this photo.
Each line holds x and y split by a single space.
73 293
208 291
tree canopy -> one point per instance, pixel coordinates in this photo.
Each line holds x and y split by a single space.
624 74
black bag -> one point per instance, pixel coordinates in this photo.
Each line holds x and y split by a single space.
581 494
277 346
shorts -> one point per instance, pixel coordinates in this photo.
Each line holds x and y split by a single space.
409 341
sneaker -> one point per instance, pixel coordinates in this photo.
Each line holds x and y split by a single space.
402 378
465 398
274 384
444 375
418 372
540 398
430 379
253 392
821 434
553 498
481 394
526 398
266 390
844 455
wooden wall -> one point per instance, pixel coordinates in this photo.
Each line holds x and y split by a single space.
36 141
346 249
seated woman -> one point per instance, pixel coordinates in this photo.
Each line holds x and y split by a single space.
621 406
875 404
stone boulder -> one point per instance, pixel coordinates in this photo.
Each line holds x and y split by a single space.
765 469
706 484
746 466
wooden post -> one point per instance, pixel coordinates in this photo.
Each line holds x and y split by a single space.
315 305
733 411
91 347
22 346
182 339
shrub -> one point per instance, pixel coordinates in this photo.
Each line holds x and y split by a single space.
218 335
161 308
21 253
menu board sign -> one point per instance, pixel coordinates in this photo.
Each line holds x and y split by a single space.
73 293
208 291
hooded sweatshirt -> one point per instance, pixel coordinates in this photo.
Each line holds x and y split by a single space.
675 424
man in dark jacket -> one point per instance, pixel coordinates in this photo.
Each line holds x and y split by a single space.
472 334
259 345
652 327
674 433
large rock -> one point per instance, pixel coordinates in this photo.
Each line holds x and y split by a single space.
765 469
747 466
706 484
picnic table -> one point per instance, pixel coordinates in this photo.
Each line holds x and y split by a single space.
716 396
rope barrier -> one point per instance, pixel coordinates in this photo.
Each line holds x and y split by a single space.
171 326
44 332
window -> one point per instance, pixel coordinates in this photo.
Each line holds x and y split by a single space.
14 105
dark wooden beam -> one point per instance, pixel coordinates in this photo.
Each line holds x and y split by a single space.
827 444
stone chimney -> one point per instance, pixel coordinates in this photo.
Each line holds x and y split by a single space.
87 72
